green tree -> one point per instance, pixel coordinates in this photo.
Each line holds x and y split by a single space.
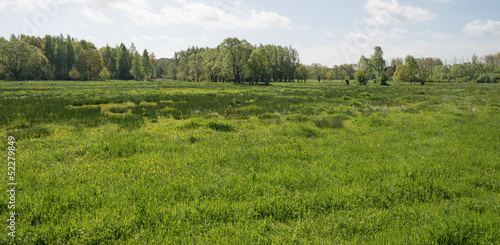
104 74
70 53
378 63
154 65
21 61
123 63
363 73
74 74
238 52
318 71
61 70
259 65
109 59
302 73
136 69
196 66
146 64
411 65
402 74
50 49
92 62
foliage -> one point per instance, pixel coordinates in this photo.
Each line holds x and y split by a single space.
363 73
378 63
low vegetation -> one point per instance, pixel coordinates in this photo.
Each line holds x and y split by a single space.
294 163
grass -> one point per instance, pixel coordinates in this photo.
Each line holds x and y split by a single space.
205 163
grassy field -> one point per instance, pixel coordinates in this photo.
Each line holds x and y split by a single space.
204 163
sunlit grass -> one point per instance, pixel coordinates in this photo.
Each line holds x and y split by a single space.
314 163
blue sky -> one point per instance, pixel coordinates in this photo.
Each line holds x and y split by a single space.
326 32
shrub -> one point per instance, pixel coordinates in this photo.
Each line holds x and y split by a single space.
361 77
118 110
220 126
298 118
308 132
193 124
329 122
268 116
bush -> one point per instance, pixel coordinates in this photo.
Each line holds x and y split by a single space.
361 77
330 122
383 79
219 126
268 116
193 124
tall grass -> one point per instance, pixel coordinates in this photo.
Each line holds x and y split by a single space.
170 163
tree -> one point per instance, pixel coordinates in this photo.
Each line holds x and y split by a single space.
330 74
104 74
154 65
21 60
196 66
61 70
426 66
238 52
389 72
136 69
411 64
402 74
74 74
108 56
93 64
302 73
363 73
318 71
396 62
70 53
49 49
378 63
123 63
146 64
259 65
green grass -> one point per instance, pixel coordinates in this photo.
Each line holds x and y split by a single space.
297 163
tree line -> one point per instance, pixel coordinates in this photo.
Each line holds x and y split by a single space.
484 69
66 58
234 60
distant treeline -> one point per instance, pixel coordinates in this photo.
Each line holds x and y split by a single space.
66 58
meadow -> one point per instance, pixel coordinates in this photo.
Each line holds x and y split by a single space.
209 163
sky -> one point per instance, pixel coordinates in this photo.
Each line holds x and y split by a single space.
327 32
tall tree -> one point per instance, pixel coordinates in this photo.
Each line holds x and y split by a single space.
239 52
92 61
196 66
60 61
136 69
412 65
146 64
21 60
302 73
259 65
378 63
123 63
70 54
363 73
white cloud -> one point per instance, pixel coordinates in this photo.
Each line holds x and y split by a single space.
483 28
219 16
329 34
391 12
210 17
95 15
439 36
